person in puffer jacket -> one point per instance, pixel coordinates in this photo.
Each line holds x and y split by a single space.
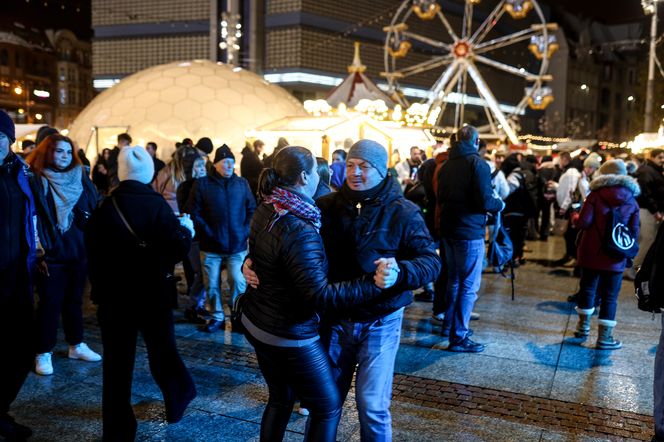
602 273
280 316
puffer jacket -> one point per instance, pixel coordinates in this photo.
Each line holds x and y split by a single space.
357 233
607 192
465 194
289 259
221 209
120 270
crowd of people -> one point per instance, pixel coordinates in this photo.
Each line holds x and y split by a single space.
321 258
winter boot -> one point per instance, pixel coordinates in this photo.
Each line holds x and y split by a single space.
583 326
605 339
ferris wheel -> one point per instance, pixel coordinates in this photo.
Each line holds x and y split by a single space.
466 46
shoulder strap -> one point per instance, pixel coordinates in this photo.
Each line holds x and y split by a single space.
141 243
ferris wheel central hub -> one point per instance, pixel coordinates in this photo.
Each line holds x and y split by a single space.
461 49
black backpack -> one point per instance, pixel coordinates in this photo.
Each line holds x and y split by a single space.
619 240
501 249
648 282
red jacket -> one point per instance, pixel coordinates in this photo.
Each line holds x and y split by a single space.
606 192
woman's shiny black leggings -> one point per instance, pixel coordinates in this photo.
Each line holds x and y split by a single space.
305 373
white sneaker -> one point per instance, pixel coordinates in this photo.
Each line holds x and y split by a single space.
440 317
303 411
43 364
83 352
474 316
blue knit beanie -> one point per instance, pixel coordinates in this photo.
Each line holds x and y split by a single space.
7 126
371 152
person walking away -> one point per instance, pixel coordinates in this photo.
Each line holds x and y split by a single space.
17 261
65 198
546 195
133 239
281 315
519 206
221 206
251 164
465 196
612 193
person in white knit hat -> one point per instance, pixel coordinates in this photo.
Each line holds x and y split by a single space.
133 239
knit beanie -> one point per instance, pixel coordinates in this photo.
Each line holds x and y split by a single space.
222 153
372 152
593 161
7 126
205 144
613 167
135 163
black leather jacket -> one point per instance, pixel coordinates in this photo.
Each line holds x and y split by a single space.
289 259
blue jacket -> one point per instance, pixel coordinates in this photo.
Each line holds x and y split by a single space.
465 194
221 209
356 233
19 171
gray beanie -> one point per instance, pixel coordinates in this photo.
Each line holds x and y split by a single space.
371 152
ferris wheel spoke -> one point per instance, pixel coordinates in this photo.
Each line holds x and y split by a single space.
427 40
437 91
492 103
507 68
489 117
506 40
467 20
447 25
425 66
488 23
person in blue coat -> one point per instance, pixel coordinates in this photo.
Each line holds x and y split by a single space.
221 206
17 259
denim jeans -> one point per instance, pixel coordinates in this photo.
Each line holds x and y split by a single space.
658 387
212 280
464 272
372 347
302 372
602 284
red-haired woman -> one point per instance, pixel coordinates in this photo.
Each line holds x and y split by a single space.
65 198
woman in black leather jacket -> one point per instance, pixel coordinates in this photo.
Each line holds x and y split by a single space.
280 316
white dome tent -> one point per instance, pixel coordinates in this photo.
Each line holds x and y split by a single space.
193 99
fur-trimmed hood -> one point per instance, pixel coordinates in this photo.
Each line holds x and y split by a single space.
616 180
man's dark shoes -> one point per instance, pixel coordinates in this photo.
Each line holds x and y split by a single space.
425 295
13 431
174 415
467 346
192 316
214 325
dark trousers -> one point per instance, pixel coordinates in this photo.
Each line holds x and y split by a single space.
545 207
193 273
570 241
603 284
120 325
516 228
305 373
60 293
16 335
440 286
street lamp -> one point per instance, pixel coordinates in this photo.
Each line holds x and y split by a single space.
650 7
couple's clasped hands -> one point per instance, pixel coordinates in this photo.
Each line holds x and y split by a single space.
387 272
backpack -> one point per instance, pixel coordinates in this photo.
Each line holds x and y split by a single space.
619 241
648 282
500 250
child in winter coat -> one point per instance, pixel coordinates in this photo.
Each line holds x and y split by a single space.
602 272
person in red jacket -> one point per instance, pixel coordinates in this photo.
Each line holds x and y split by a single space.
602 273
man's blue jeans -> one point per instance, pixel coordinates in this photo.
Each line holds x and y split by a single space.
464 272
372 347
212 280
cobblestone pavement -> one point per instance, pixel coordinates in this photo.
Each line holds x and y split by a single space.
535 382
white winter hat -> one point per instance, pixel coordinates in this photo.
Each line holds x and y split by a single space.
135 163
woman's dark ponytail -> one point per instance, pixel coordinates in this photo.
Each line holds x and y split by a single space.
288 165
267 181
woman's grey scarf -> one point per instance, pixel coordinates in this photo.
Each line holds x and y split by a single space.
67 188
